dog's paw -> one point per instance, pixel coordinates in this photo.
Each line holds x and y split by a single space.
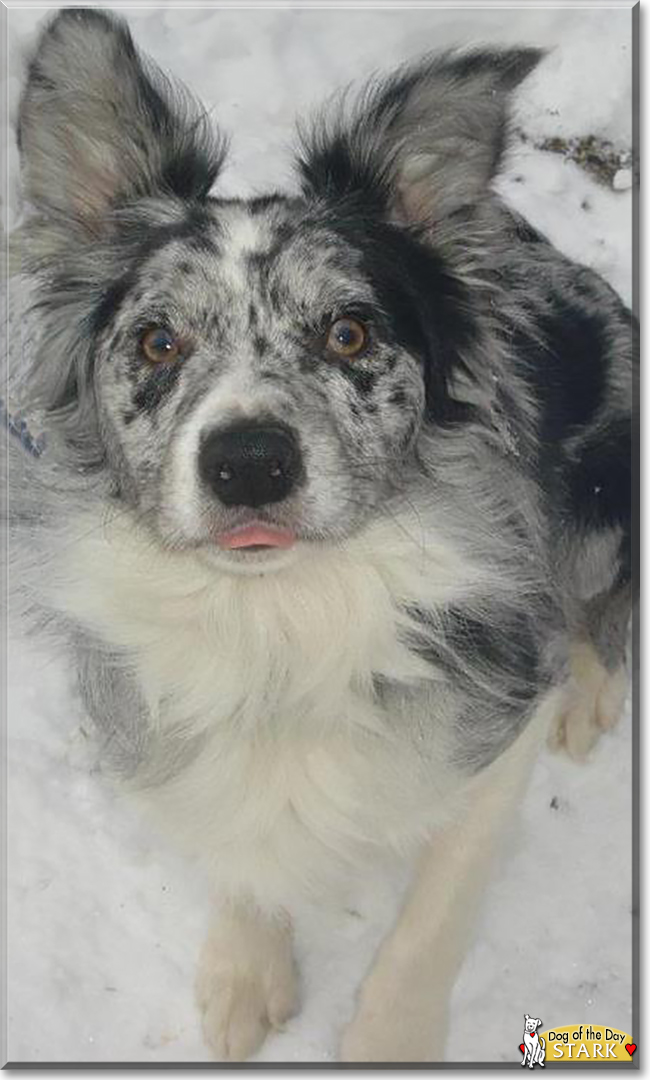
240 1010
593 704
246 986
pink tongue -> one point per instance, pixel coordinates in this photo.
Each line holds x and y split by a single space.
257 535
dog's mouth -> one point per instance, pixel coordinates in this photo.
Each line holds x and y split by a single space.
256 536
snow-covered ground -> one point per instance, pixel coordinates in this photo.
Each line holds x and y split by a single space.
104 922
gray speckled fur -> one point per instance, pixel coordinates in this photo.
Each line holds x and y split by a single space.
110 255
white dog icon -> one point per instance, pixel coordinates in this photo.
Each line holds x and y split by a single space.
534 1047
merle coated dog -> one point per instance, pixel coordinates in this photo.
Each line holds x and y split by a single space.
334 516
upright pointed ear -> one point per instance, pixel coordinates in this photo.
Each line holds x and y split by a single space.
99 125
422 143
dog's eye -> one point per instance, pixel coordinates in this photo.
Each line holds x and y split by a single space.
347 337
159 345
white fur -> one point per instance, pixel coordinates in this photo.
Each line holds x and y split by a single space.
247 980
402 1013
301 773
594 701
244 234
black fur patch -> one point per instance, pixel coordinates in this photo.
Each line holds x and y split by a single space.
197 229
502 648
427 310
156 387
527 232
333 170
567 372
261 203
202 243
584 457
496 660
511 66
362 379
110 303
600 481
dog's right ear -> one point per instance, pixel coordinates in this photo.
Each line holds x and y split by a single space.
100 125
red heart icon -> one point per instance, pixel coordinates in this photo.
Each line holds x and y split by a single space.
630 1047
522 1047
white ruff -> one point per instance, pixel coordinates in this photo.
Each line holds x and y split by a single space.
301 771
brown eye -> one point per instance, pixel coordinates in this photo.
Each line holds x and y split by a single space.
160 346
347 337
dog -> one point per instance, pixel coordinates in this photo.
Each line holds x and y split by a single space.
535 1048
333 518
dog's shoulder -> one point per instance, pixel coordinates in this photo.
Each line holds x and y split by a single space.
575 344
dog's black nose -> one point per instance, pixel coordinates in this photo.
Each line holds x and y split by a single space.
250 465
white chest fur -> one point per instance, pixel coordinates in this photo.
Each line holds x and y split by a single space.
297 767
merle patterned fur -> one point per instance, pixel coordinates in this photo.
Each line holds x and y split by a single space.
495 398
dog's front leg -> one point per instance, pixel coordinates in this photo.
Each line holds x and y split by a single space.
247 981
403 1007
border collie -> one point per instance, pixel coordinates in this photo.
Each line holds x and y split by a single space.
334 512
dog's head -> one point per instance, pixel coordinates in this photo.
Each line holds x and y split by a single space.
530 1024
255 373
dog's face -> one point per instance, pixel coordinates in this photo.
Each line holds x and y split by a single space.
530 1024
254 375
251 373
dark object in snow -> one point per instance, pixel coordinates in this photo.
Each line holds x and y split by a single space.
17 426
596 156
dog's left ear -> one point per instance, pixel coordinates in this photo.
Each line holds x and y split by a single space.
420 144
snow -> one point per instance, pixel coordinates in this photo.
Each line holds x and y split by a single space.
622 180
104 921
